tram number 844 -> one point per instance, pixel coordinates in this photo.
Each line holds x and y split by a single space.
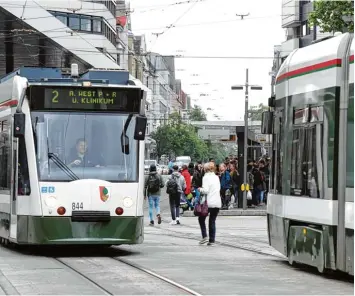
77 206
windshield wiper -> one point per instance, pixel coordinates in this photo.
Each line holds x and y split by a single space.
62 166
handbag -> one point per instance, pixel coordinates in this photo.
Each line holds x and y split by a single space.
201 209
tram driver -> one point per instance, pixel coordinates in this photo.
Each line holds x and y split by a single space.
81 158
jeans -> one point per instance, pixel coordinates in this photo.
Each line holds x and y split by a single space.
184 197
197 197
211 224
261 196
257 192
154 202
174 201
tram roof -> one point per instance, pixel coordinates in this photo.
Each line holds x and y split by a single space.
56 75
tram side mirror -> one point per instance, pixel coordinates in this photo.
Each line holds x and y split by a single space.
124 143
140 129
19 125
266 122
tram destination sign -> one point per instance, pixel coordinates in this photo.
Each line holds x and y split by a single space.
85 98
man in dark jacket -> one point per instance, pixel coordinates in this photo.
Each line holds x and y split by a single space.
225 186
152 189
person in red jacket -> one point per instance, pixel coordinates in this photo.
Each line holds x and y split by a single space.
187 191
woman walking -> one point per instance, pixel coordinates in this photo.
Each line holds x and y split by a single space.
211 187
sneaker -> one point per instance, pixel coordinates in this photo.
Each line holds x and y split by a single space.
173 222
159 219
203 241
151 223
210 244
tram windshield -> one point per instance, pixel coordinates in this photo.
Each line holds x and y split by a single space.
71 146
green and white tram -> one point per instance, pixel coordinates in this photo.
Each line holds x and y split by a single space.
310 209
71 157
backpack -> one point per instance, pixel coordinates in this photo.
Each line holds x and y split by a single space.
172 187
153 184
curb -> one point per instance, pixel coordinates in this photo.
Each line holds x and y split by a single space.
232 213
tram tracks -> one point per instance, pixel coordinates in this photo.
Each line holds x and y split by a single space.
247 241
82 265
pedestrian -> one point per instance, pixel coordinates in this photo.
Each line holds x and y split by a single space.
175 186
211 188
152 188
187 192
226 186
197 181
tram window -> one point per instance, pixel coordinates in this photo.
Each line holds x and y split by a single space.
277 157
350 141
297 162
24 187
5 163
304 169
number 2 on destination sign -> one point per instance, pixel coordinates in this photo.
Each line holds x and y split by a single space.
77 206
55 96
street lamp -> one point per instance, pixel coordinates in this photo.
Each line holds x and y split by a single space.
240 87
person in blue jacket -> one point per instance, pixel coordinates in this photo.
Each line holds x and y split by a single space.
226 184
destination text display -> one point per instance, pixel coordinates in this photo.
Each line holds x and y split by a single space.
85 98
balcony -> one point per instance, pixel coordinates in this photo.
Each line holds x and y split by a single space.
290 13
288 46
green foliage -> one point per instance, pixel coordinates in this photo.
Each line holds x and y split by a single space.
197 114
257 111
333 16
177 138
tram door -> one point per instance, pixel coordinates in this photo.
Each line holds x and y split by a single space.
5 170
14 167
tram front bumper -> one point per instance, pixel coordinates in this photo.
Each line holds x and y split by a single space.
63 231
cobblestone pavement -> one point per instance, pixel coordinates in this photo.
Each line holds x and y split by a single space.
243 264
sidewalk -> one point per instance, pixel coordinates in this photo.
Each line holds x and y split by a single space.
258 211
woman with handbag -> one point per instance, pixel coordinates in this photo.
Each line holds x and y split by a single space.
211 189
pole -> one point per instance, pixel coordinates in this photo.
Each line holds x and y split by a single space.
246 138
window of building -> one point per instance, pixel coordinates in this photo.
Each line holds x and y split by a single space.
97 25
85 24
74 22
62 18
5 152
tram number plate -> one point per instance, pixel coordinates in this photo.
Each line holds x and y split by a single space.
77 206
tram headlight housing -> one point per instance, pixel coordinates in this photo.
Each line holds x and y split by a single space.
50 201
127 202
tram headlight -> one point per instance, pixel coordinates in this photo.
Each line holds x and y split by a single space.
127 202
50 201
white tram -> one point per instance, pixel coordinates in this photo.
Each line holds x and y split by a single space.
71 157
310 209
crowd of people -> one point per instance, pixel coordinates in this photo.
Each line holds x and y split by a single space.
219 184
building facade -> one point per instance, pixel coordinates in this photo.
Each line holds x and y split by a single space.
299 33
45 33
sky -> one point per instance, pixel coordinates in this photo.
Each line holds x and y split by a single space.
211 28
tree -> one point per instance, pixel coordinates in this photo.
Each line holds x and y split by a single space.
197 114
177 138
256 111
333 16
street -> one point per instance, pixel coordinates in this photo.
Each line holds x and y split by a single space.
241 262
